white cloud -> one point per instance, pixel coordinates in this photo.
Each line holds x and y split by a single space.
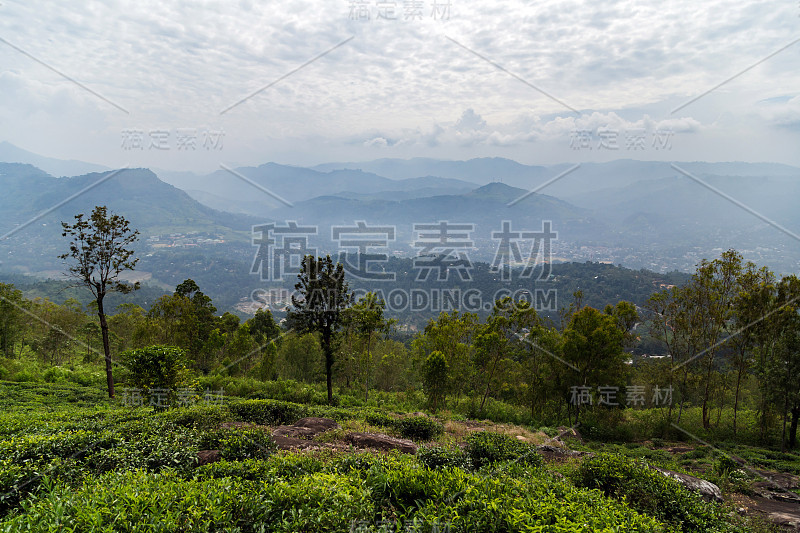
178 64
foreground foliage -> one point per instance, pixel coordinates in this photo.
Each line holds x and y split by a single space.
87 466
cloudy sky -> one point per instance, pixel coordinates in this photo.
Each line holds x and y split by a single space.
190 85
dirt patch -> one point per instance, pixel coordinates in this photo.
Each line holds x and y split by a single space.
205 457
679 449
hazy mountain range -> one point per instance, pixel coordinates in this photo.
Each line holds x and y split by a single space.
648 211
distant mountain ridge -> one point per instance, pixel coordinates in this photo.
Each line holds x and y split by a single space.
35 203
55 167
254 189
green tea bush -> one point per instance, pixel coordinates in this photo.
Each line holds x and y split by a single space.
419 428
486 448
289 391
198 416
435 457
16 481
136 502
377 418
403 484
647 491
158 367
249 469
725 465
173 448
698 453
267 412
67 444
528 502
327 411
237 444
358 463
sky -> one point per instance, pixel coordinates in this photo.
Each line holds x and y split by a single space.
185 85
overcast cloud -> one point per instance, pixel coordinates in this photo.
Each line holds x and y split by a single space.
401 88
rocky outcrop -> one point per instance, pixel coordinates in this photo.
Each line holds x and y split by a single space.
379 441
567 433
306 428
320 425
706 489
556 452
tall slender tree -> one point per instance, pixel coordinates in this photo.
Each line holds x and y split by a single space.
100 251
11 318
366 317
322 295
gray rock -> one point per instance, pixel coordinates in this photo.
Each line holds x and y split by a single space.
294 432
381 442
320 425
548 450
568 433
306 428
706 489
787 520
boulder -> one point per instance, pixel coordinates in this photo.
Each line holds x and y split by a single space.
306 428
320 425
786 520
559 454
706 489
380 441
568 433
294 432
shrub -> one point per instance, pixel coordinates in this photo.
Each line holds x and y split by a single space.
698 453
725 465
267 412
357 462
239 444
647 491
175 504
376 418
531 501
288 466
198 416
151 444
419 428
606 425
486 448
158 368
327 411
435 457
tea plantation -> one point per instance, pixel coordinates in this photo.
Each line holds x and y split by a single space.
72 460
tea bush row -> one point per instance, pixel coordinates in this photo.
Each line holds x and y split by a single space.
394 490
648 491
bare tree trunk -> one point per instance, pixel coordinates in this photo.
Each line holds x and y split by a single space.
793 428
328 349
706 413
785 416
736 402
683 393
106 348
368 367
